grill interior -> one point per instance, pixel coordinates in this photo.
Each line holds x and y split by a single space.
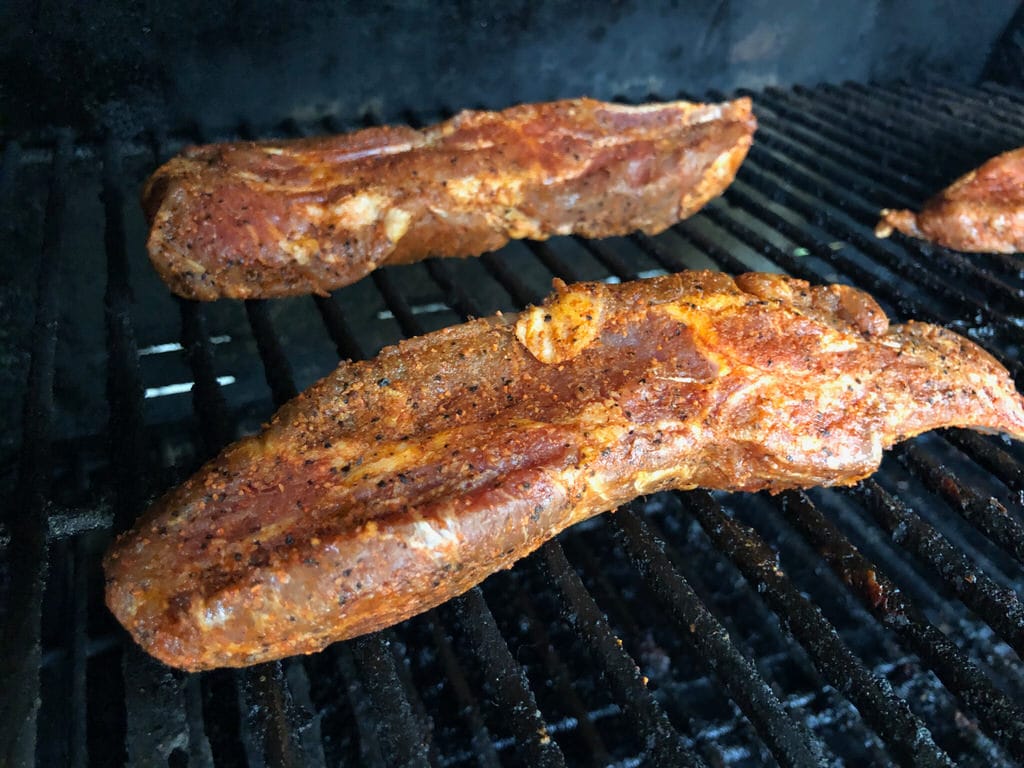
873 625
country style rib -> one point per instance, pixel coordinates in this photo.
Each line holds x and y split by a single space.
283 218
398 483
981 212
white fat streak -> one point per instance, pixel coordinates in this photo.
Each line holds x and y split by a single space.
360 210
427 535
396 224
300 250
679 379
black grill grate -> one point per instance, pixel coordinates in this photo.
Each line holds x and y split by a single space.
875 625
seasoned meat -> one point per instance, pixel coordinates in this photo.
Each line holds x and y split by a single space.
263 219
981 212
397 483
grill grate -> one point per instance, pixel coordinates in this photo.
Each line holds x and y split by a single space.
873 625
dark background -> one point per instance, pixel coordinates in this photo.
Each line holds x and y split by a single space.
92 64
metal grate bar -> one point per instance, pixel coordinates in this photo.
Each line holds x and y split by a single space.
155 707
270 716
610 258
363 708
906 127
1000 718
480 738
124 390
215 424
928 112
513 691
788 740
942 105
554 263
985 513
275 364
998 293
124 379
886 712
509 279
558 673
663 741
402 742
8 169
1006 109
338 328
396 302
909 268
26 518
991 457
456 298
77 702
511 686
801 108
997 605
1005 94
777 134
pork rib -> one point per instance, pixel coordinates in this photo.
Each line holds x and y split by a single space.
397 483
981 212
264 219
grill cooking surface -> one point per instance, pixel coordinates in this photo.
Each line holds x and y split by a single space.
874 625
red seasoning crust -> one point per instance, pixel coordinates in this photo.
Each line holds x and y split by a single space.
398 483
283 218
981 212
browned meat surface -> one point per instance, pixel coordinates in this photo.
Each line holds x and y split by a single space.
263 219
395 484
981 212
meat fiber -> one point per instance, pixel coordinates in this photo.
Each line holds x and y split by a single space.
282 218
397 483
981 212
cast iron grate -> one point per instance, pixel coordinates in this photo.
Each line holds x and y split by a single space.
876 625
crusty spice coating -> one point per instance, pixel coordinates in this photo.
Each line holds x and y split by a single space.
981 212
283 218
397 483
